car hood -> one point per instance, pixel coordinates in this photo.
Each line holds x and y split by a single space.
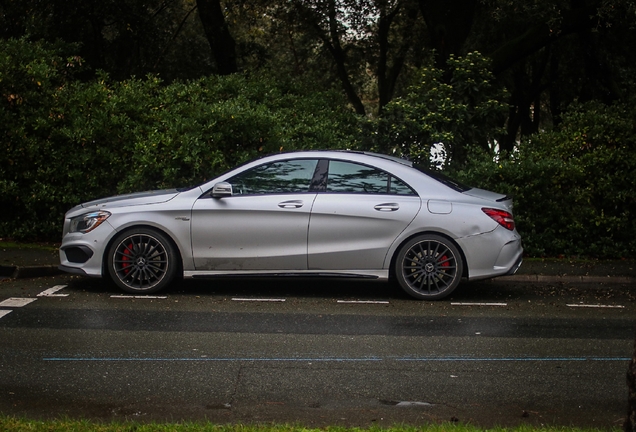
137 198
503 200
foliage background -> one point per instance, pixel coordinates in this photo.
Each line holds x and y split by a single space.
574 186
67 139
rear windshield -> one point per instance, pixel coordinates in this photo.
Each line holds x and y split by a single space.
453 184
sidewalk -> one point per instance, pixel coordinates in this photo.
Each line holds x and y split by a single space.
29 261
20 262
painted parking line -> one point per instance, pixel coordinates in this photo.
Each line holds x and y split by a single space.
52 292
363 301
601 306
144 297
16 302
273 300
479 304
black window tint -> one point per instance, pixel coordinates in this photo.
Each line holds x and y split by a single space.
398 187
453 184
279 177
355 178
351 177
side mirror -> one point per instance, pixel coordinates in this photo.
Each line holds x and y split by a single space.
221 190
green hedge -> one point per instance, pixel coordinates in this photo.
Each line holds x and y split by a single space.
574 187
66 141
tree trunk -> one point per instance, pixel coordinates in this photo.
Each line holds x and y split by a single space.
539 36
331 40
218 34
388 75
449 23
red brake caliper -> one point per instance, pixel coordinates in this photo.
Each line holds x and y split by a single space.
127 257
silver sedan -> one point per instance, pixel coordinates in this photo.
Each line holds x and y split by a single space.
318 213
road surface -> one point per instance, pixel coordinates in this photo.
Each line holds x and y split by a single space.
317 353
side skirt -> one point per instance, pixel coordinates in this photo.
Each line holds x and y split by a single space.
350 274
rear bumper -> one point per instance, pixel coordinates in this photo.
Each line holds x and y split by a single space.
515 268
492 254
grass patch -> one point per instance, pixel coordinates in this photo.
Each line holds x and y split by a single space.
21 425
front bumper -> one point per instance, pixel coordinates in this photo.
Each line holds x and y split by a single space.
83 254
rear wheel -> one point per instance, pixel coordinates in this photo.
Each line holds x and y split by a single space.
429 267
142 261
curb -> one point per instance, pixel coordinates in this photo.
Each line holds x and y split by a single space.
25 272
537 278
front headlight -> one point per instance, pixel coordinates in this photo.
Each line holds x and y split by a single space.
88 222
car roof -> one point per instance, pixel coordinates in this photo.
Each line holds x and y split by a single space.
337 154
382 156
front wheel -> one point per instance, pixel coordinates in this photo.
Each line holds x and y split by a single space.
142 261
429 267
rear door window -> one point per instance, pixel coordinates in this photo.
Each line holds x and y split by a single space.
349 177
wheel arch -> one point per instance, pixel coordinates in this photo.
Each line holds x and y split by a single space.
419 233
163 232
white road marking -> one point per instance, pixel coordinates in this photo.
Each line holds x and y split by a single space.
413 404
596 306
16 302
257 300
4 313
363 301
138 297
51 292
479 304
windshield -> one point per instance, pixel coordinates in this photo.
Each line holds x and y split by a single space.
453 184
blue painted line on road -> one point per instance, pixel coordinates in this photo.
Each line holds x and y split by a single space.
330 359
208 359
513 359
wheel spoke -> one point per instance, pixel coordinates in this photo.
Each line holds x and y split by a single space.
435 253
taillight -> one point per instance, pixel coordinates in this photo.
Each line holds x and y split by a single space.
502 217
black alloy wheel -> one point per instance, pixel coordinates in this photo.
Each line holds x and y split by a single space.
429 267
142 261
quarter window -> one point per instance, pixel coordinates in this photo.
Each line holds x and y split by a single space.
275 178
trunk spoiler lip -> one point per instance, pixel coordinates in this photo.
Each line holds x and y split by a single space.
505 198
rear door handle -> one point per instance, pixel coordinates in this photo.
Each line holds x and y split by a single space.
387 207
291 204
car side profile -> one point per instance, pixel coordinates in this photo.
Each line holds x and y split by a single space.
311 213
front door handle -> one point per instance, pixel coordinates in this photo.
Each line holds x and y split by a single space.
387 207
291 204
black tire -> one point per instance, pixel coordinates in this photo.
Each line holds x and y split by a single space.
428 267
142 261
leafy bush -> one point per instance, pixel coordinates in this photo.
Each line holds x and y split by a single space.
464 110
31 75
66 141
574 187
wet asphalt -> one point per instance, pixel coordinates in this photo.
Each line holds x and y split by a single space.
318 353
